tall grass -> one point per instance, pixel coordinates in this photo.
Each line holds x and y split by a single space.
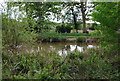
76 65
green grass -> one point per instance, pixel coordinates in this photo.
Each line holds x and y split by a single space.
47 34
61 37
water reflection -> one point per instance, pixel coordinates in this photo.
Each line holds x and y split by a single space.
61 48
70 48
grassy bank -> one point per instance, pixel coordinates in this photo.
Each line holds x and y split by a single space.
91 65
62 37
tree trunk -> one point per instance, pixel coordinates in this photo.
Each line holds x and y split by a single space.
75 20
83 17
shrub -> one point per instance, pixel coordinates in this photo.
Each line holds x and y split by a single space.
52 66
81 39
63 29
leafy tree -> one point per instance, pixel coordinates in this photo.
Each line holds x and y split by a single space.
107 13
85 9
13 29
37 12
73 12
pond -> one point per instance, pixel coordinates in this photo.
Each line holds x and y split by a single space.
61 48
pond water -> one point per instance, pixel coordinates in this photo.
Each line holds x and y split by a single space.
61 48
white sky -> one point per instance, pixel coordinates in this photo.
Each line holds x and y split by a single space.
1 1
1 5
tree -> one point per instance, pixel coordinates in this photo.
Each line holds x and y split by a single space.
37 12
74 18
13 29
77 9
105 14
83 9
108 16
72 13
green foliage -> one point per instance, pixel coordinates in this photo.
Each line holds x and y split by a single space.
81 39
14 32
110 11
63 29
91 64
107 14
74 65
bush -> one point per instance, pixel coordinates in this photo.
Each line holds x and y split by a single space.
63 29
52 66
81 39
14 32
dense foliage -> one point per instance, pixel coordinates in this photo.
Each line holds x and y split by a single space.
107 15
15 33
52 66
34 24
63 29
